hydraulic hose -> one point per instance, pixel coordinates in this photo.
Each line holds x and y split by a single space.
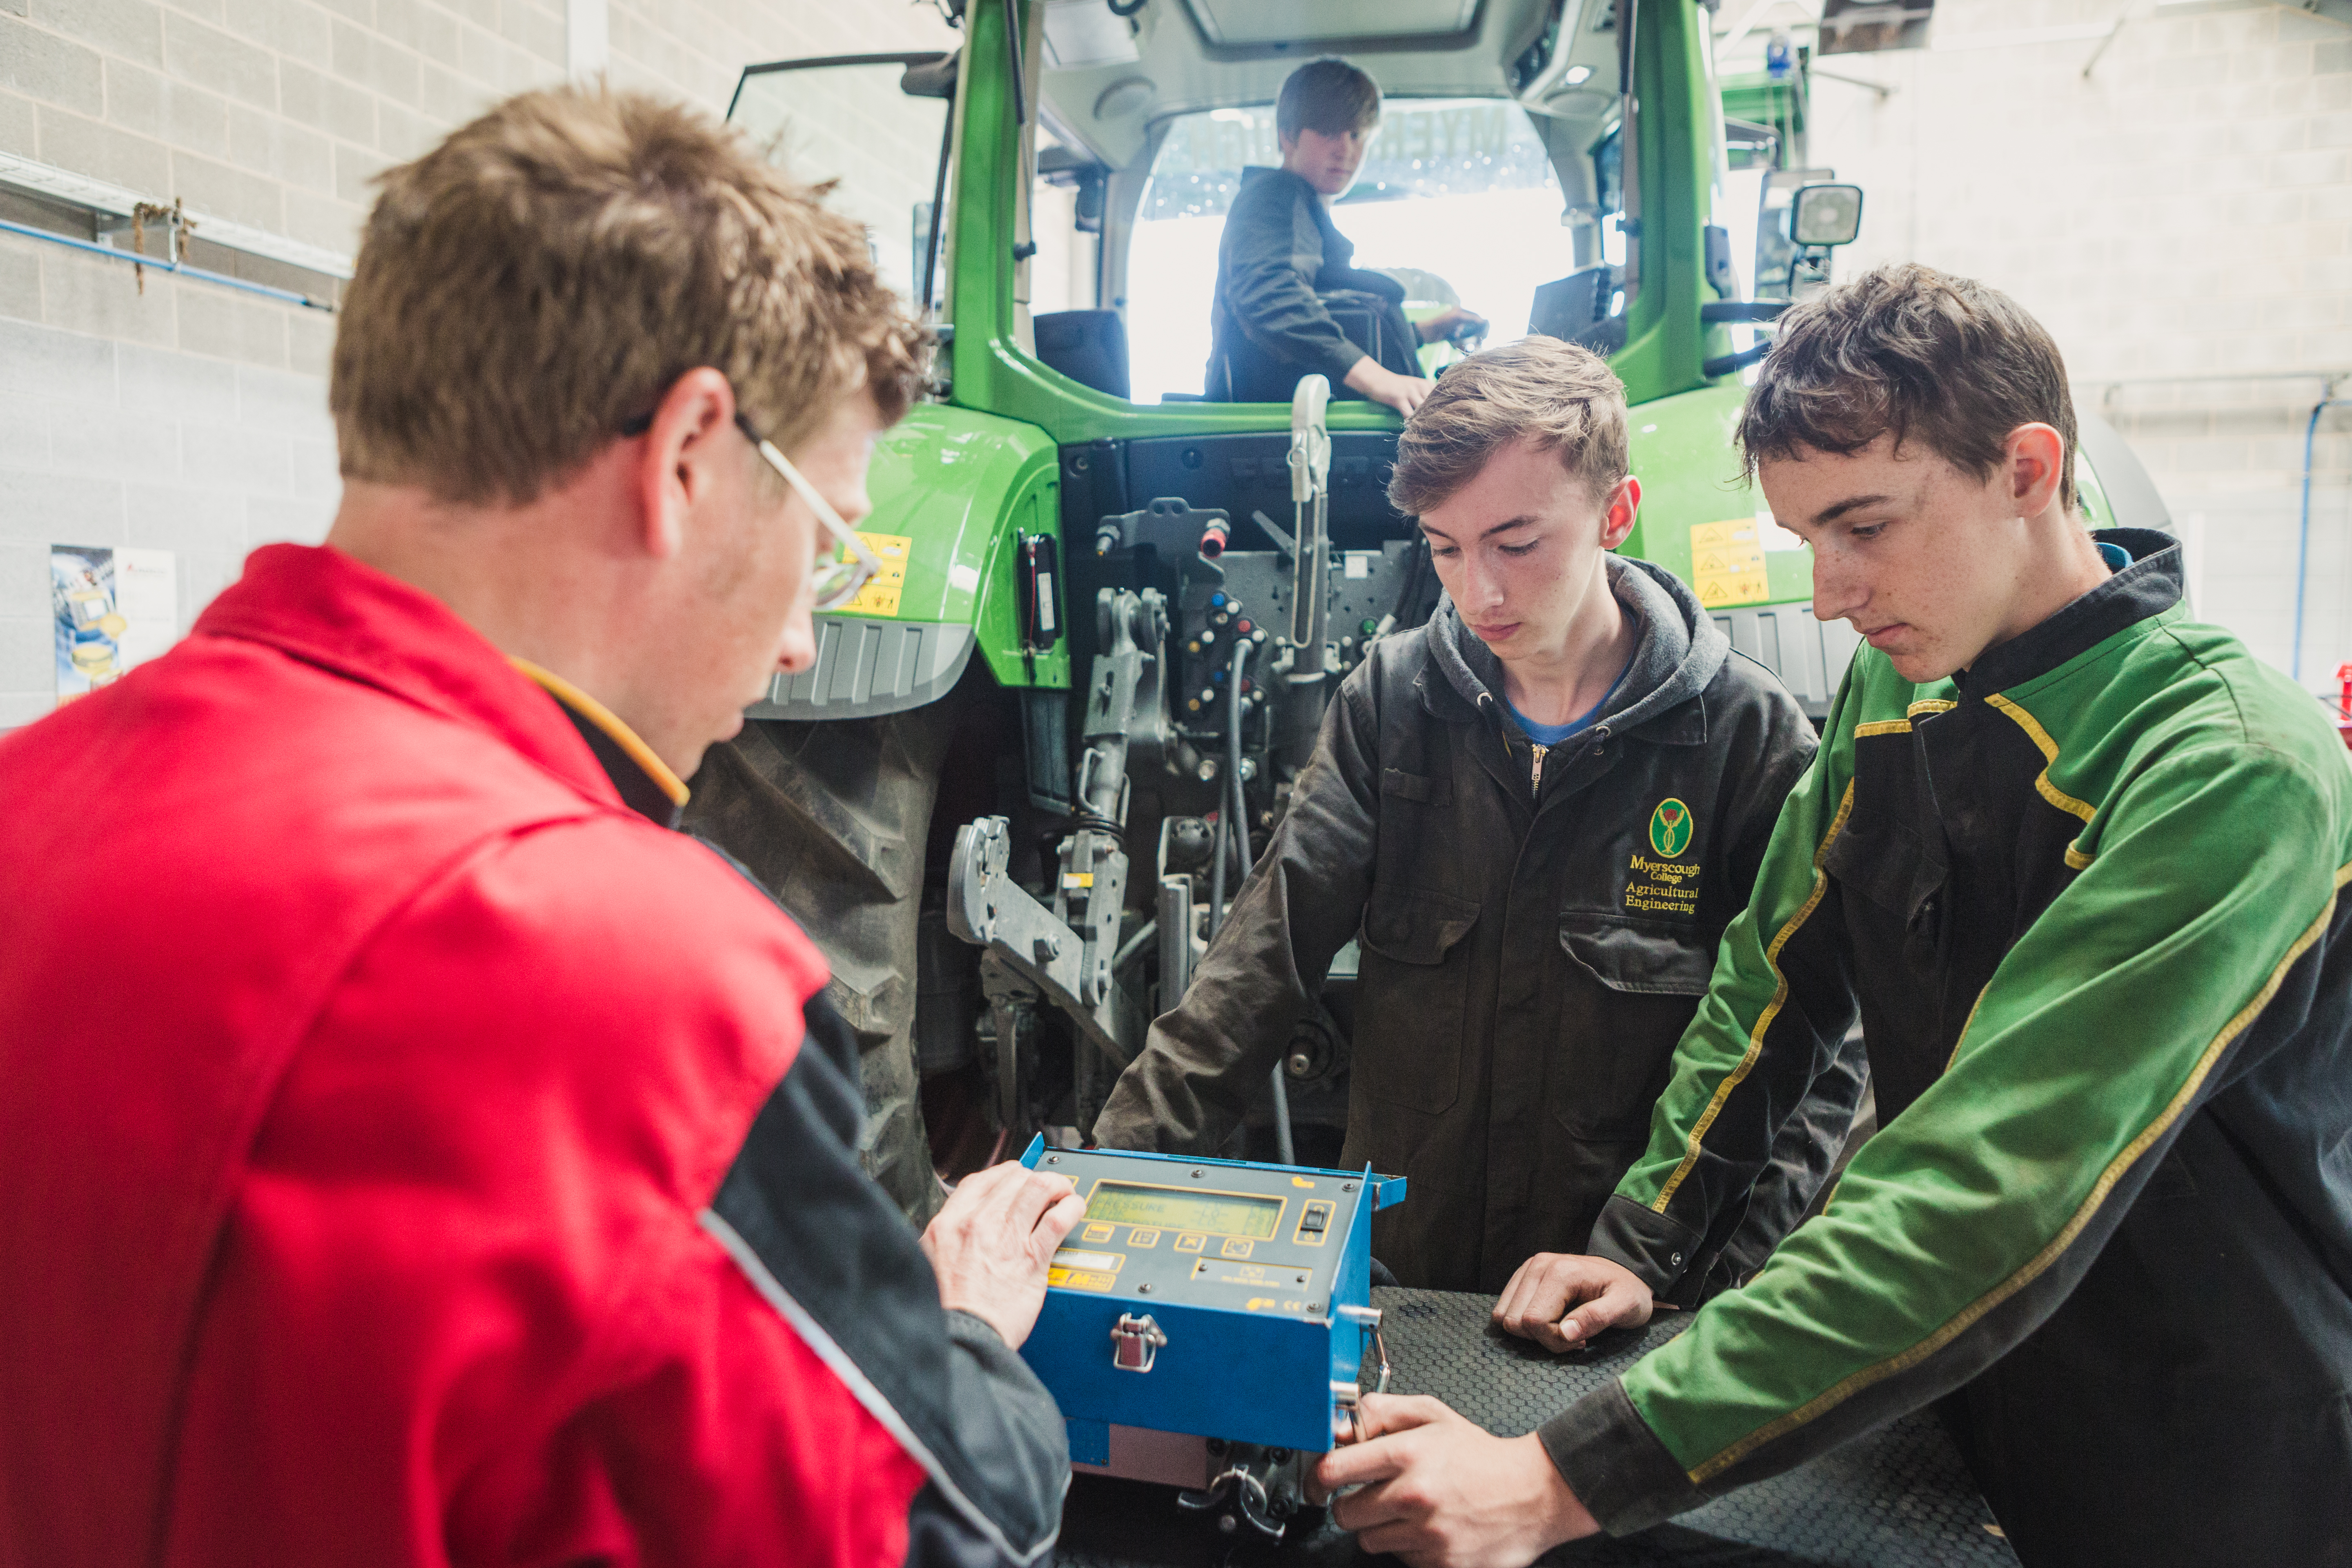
1229 793
1237 800
1217 876
1237 811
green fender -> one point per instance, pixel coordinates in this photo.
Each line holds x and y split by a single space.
962 487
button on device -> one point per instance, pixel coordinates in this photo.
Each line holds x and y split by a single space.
1315 1218
1190 1241
1238 1246
1142 1237
1098 1231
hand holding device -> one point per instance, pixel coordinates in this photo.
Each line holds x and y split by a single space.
1443 1493
990 1242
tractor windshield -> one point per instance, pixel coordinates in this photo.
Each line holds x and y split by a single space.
875 124
1456 199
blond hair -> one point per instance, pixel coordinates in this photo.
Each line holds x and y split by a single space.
541 277
1560 397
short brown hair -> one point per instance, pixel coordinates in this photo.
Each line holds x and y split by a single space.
1328 95
1562 398
542 276
1919 353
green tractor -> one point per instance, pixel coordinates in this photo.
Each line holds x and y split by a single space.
1037 755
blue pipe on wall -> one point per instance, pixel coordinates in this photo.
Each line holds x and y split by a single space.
201 274
2302 536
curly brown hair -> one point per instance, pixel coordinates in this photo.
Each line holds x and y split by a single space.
1905 348
543 275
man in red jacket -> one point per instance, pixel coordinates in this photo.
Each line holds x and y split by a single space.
413 1150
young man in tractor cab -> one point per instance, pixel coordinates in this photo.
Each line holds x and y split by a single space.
1540 811
2082 858
1281 255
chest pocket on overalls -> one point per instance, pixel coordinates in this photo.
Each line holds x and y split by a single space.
1411 992
1633 987
1887 864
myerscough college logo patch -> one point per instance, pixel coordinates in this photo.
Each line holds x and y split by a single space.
1670 827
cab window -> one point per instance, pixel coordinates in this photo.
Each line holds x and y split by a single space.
875 124
1457 199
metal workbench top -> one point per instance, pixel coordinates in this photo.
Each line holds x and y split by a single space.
1899 1497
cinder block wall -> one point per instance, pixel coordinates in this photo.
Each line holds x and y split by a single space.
190 417
2179 218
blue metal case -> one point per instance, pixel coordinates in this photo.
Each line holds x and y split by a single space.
1216 1298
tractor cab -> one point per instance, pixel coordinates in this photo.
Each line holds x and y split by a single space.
1154 593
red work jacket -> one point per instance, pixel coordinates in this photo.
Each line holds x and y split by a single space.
371 1073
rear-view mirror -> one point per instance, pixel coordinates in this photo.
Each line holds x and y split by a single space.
1823 216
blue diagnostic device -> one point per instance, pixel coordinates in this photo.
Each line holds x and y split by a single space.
1207 1309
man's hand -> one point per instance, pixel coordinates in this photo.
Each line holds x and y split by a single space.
1453 321
1402 392
990 1242
1442 1493
1537 1304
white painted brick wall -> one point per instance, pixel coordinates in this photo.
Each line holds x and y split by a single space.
2186 211
193 418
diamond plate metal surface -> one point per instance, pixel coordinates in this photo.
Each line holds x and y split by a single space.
1899 1497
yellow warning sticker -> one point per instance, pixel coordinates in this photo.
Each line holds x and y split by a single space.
1728 564
880 596
1081 1279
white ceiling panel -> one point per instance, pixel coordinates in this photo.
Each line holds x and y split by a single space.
1246 22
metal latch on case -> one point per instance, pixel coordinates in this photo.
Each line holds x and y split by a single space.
1135 1341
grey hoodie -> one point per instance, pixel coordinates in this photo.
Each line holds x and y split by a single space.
1529 958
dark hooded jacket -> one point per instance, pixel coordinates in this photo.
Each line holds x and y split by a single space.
1529 954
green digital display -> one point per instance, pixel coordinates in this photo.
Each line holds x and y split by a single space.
1175 1208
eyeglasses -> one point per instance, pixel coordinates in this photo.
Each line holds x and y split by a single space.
842 572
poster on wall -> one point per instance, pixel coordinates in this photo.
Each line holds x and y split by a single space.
115 609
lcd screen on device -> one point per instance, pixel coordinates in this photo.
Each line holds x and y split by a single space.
1172 1208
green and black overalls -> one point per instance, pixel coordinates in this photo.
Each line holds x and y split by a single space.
2088 891
1529 957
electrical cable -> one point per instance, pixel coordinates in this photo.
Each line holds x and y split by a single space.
2328 400
1013 52
1217 875
939 210
1134 945
203 275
